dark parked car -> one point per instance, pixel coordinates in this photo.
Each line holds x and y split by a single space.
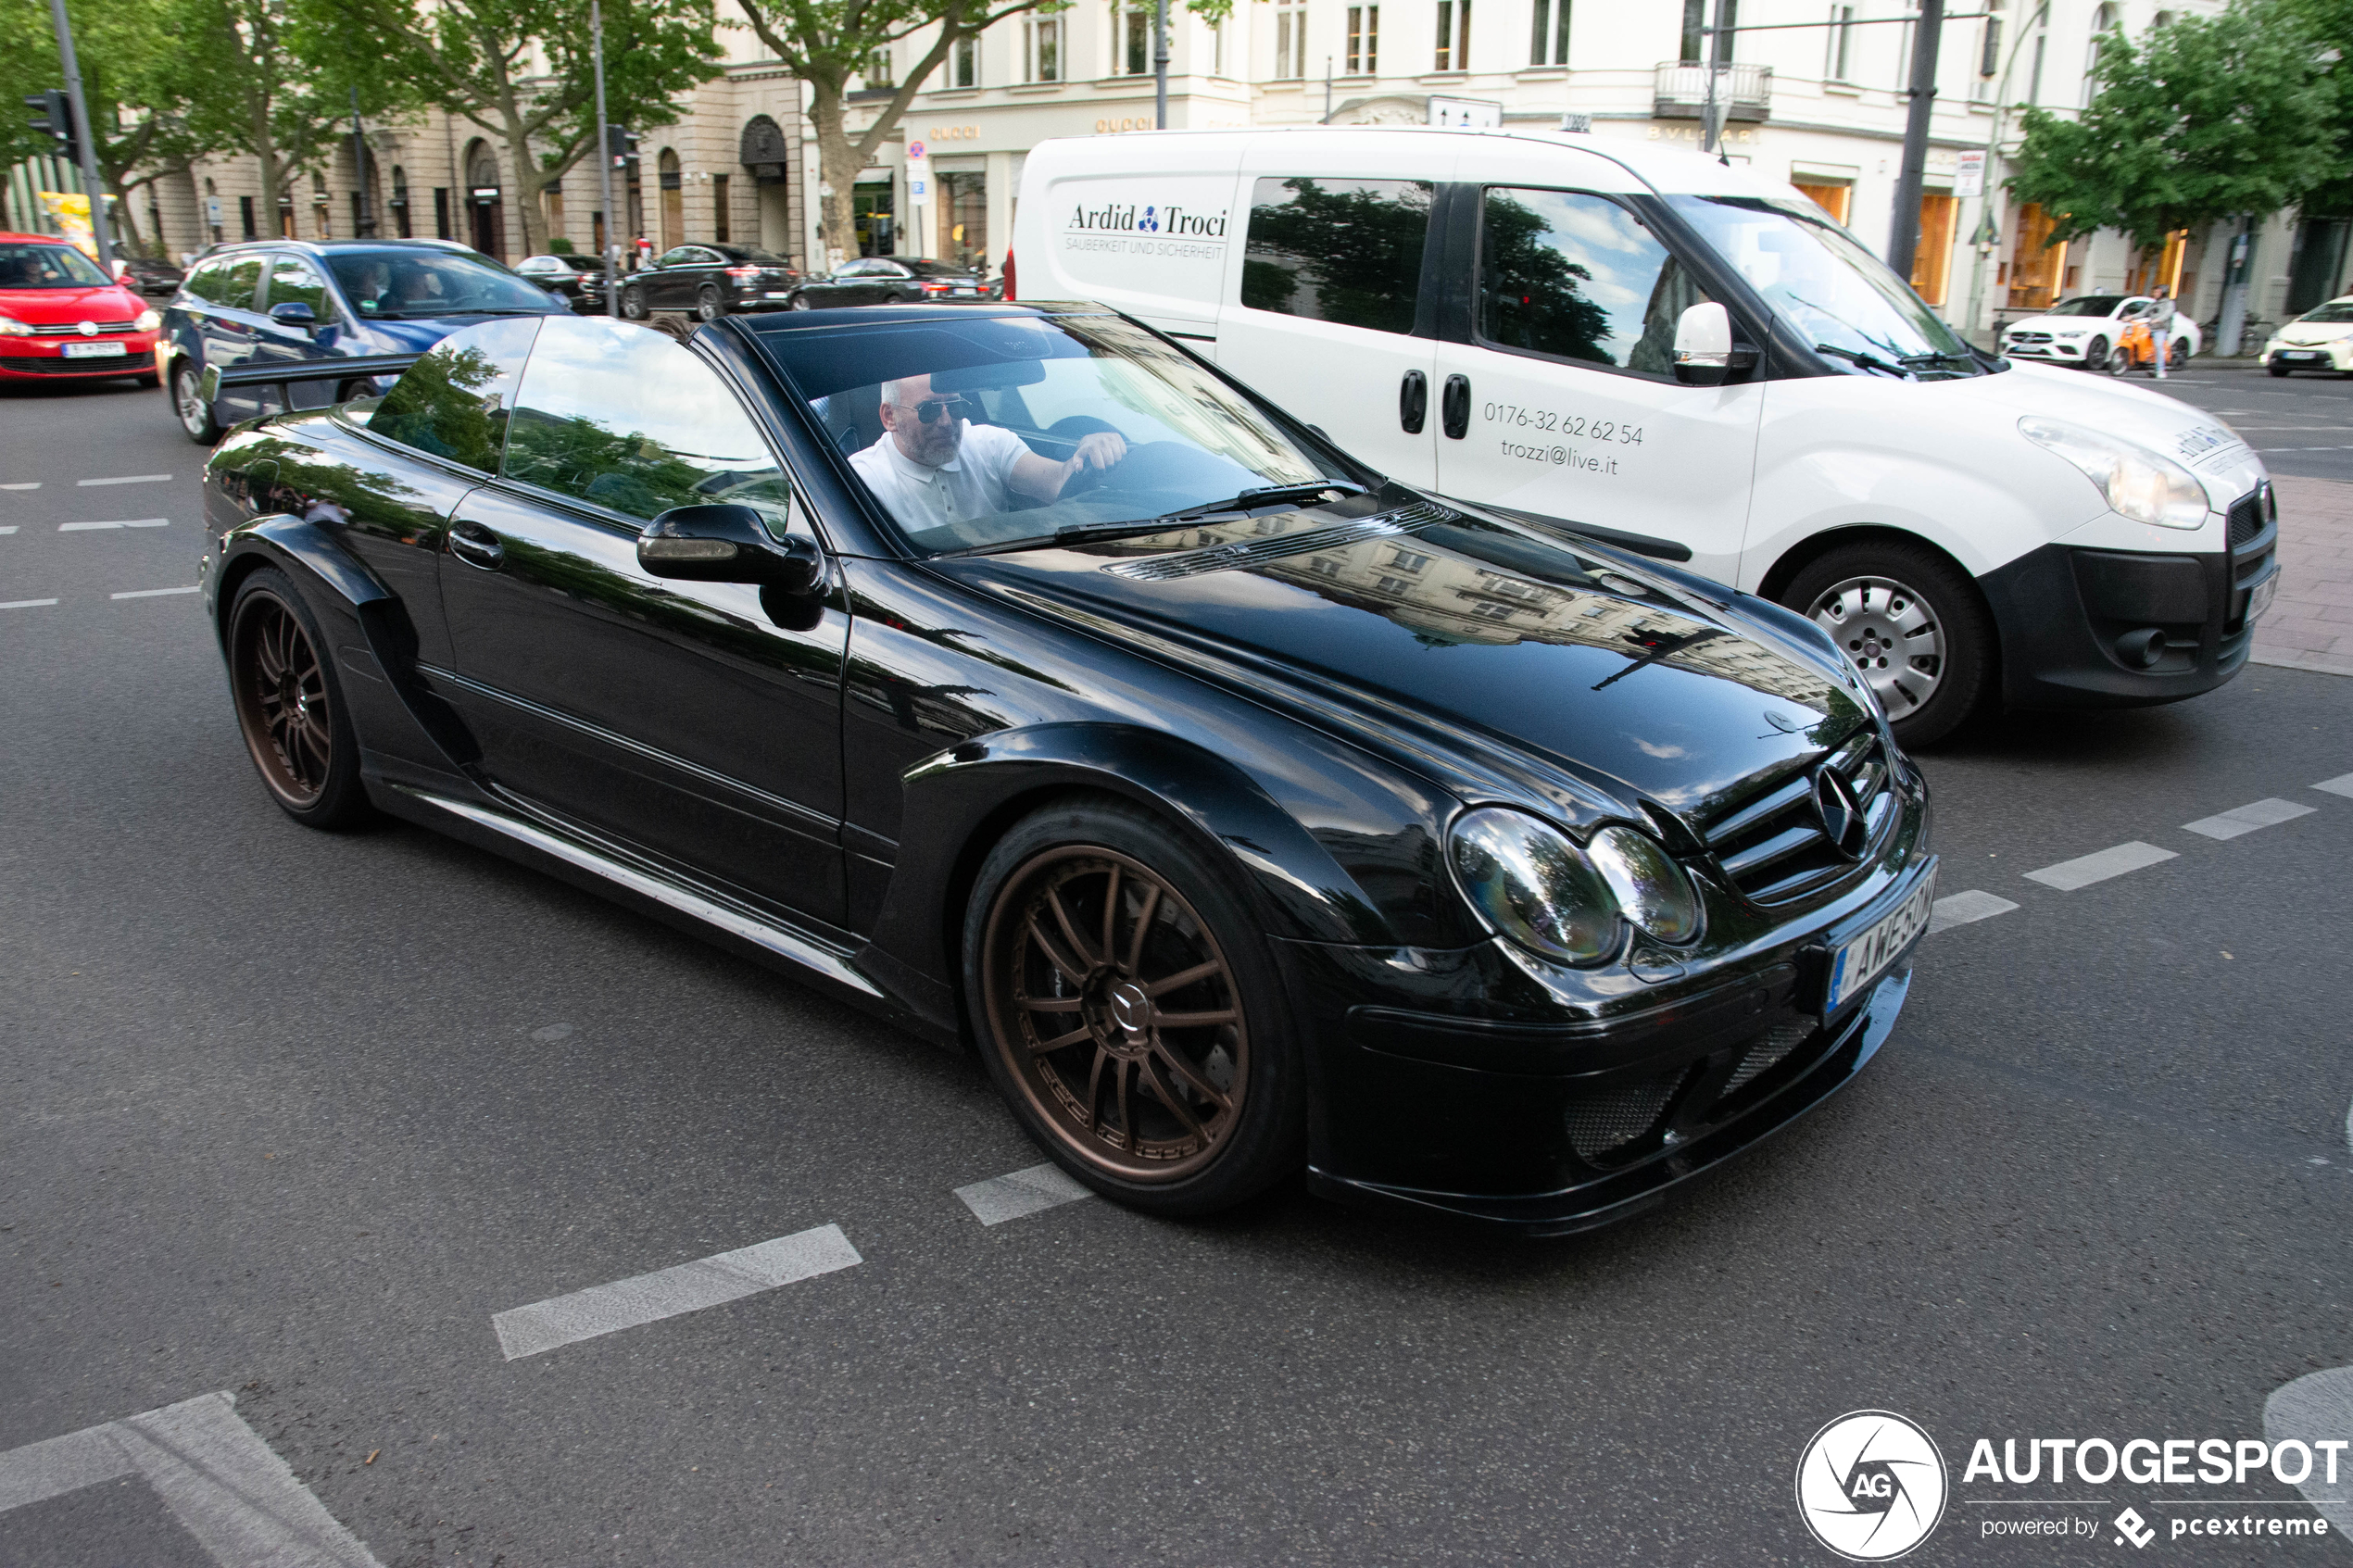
1013 673
712 281
892 280
287 301
578 280
148 274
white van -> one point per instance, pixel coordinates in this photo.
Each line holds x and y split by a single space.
1691 361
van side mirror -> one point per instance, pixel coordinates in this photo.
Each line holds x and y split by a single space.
1704 345
727 543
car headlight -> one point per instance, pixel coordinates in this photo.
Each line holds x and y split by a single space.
2070 336
1649 886
148 321
2136 481
11 327
1532 885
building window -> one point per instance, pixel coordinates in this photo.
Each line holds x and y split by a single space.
441 212
1132 41
1291 40
2103 22
245 218
1839 65
1409 561
964 64
1694 18
1453 35
877 72
1548 39
1041 49
399 203
1217 49
1324 566
1364 40
719 207
1989 55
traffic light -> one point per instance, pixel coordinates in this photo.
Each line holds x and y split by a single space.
53 116
620 146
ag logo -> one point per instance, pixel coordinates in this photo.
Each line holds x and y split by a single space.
1871 1485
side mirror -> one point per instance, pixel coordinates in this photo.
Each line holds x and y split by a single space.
295 313
727 543
1704 345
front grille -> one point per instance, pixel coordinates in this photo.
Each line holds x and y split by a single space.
1602 1122
2030 337
51 365
1773 849
2250 513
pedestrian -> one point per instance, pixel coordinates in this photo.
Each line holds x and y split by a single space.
2159 317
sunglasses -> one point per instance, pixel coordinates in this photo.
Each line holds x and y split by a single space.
933 409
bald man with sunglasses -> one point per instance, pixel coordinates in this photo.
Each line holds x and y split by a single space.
933 469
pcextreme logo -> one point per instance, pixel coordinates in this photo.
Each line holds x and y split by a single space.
1871 1485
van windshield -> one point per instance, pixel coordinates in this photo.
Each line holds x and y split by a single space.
1835 294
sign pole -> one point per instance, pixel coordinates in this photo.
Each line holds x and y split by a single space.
604 158
101 231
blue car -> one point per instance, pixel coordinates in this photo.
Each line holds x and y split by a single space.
294 300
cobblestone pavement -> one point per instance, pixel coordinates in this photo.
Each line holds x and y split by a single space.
2310 625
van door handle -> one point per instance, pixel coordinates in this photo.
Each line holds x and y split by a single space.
1413 402
1455 411
476 545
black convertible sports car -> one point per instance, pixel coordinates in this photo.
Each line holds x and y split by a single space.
1010 671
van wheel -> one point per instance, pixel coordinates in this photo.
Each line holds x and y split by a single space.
1912 624
2095 355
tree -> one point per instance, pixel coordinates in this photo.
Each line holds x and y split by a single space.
2331 25
2207 117
828 42
523 71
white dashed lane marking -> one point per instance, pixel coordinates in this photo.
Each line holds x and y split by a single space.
1025 1192
25 604
10 529
2314 1409
689 1288
34 485
2340 784
227 1488
127 479
2247 818
2084 871
1961 908
151 593
126 523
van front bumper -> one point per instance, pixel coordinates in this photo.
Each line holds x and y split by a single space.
2075 623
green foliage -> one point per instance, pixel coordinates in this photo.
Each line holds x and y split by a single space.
559 246
1534 296
1358 249
2207 116
2330 22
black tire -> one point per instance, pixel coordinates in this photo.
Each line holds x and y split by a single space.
799 302
633 304
2177 354
1875 596
708 307
280 674
2095 355
193 412
1190 1117
2275 367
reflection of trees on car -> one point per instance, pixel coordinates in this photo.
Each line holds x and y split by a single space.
1357 251
625 469
441 405
1534 294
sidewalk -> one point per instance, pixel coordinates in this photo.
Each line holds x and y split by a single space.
2309 626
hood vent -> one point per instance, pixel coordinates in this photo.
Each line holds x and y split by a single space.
1239 553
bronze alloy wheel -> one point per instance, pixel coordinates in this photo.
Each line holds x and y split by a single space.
1114 1010
282 701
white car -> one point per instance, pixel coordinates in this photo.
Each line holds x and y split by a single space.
2320 339
2081 332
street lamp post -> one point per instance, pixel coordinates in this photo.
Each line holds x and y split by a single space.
604 154
1159 64
1904 234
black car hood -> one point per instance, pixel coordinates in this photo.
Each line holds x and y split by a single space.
1489 654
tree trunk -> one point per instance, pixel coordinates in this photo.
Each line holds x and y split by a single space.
838 166
265 155
530 204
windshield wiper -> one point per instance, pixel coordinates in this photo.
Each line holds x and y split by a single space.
1866 361
1270 495
1095 533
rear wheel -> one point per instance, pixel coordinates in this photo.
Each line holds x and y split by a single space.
1129 1012
707 305
2177 356
1912 624
633 304
799 302
290 705
195 414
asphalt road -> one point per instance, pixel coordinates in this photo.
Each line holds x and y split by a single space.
2301 423
291 1117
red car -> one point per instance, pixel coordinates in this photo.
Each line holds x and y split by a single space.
60 316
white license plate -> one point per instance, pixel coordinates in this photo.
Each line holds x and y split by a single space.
2298 353
778 294
95 350
1861 962
2260 600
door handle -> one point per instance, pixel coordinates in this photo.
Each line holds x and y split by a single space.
476 545
1413 402
1454 409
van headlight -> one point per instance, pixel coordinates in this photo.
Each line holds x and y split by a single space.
2135 481
1532 885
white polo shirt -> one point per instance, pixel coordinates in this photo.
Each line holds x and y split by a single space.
975 483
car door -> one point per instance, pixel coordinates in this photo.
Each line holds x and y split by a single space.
232 330
1562 400
1325 313
294 279
888 284
680 718
672 285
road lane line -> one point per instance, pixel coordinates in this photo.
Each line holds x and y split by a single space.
2086 869
125 522
689 1288
1024 1192
152 592
227 1488
2316 1407
2340 784
10 529
34 485
2246 819
126 478
1961 908
25 604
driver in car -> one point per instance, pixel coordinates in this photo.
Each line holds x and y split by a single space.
932 469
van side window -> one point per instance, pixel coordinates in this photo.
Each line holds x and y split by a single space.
1346 251
1576 277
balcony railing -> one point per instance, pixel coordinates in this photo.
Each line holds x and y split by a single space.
1743 92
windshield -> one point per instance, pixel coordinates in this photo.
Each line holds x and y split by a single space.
2089 305
751 256
1001 429
48 267
2334 311
386 285
922 268
1837 295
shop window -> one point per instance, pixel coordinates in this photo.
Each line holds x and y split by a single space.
1933 259
2037 266
1833 199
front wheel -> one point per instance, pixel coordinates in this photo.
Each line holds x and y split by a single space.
2275 369
2177 356
633 304
798 302
195 414
2095 355
707 304
1130 1013
290 705
1912 622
